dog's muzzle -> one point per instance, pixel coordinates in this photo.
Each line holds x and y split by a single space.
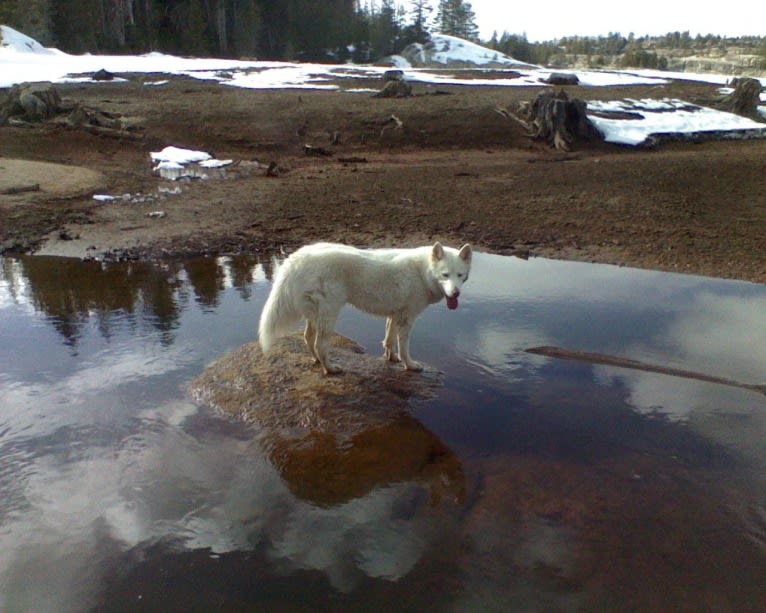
452 300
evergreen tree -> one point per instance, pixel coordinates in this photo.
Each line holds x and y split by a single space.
417 30
193 30
385 29
32 17
457 18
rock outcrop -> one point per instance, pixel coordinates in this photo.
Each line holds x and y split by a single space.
339 437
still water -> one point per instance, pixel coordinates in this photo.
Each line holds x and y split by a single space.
569 486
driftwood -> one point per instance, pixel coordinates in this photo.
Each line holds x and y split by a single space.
392 123
612 360
554 118
20 189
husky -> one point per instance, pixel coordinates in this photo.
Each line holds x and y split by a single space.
316 281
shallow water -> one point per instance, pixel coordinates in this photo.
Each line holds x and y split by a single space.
569 486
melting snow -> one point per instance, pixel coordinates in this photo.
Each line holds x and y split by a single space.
22 59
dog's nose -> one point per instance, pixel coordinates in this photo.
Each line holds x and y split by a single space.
456 293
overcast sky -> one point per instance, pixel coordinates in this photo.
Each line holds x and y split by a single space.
556 18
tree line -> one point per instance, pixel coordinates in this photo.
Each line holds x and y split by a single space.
633 51
332 30
316 30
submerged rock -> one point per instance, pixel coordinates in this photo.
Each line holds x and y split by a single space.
334 438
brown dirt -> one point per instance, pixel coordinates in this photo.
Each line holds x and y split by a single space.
457 171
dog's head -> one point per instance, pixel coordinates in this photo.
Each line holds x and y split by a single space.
451 268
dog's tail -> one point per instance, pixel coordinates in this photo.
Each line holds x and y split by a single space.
280 312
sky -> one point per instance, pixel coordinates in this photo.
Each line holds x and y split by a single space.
561 18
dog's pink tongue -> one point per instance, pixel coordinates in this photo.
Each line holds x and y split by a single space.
452 302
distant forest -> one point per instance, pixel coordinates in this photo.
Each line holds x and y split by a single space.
316 30
332 30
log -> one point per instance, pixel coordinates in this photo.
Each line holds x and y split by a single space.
620 362
20 189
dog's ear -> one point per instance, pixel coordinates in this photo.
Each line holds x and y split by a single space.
437 253
465 252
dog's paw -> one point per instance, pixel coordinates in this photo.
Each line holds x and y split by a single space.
331 369
413 366
391 356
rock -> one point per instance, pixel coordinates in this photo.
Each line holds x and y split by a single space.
103 75
334 438
562 78
393 75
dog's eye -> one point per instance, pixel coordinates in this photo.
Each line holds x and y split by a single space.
445 275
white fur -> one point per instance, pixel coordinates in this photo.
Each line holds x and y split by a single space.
317 280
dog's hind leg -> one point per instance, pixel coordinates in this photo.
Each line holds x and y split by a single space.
310 336
324 329
389 340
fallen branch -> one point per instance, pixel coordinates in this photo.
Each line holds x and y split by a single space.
20 189
612 360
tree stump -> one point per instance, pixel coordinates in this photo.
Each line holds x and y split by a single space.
395 89
744 99
557 120
31 102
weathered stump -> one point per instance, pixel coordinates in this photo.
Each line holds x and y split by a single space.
30 102
557 120
744 99
395 89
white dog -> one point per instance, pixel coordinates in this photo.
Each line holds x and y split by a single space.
317 280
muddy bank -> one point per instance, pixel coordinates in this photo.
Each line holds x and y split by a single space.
456 171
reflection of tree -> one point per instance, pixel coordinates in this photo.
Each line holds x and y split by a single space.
73 292
242 269
206 276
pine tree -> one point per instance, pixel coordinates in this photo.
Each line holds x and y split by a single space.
457 18
417 30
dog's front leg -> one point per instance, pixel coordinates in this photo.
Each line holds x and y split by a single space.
388 341
404 327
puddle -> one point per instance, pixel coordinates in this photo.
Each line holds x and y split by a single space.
583 486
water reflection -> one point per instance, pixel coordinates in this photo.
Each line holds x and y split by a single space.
526 484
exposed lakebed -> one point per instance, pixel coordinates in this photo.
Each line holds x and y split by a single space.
522 482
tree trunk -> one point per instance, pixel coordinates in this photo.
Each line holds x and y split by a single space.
744 99
559 121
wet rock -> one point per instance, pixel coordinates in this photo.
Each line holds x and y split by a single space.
334 438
